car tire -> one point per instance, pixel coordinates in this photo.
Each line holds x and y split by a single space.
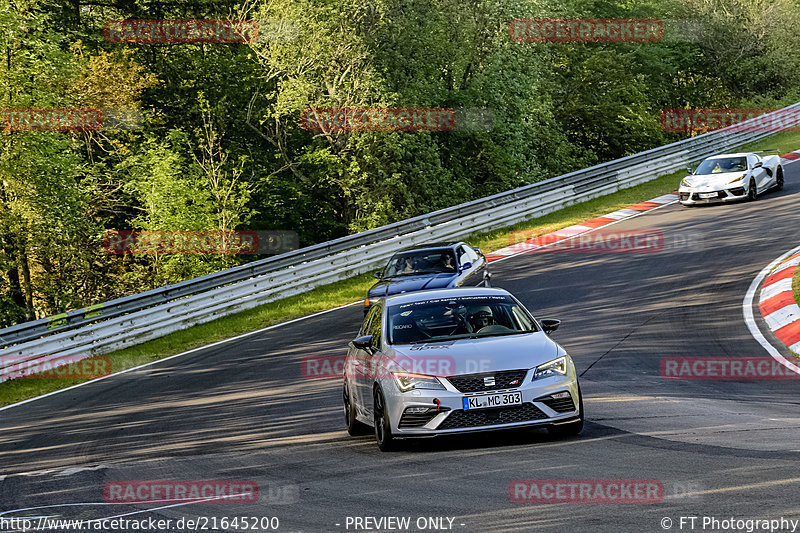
779 179
354 427
383 429
752 191
573 429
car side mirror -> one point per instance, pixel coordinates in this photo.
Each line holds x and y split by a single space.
478 250
690 170
758 165
377 275
466 266
363 343
549 325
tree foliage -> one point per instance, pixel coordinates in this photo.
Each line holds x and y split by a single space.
212 139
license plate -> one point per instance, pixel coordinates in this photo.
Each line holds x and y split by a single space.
707 195
492 400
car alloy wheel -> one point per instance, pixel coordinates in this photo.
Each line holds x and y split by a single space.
752 191
383 430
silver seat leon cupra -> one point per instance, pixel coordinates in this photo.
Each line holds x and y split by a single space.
455 361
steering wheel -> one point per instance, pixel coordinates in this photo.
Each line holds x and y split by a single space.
494 328
462 322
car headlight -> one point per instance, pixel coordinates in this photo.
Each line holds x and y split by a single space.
407 381
734 180
686 183
556 367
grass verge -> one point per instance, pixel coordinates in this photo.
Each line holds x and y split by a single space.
353 289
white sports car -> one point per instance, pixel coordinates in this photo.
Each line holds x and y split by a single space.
730 177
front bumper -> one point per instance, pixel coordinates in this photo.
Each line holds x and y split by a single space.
537 408
692 196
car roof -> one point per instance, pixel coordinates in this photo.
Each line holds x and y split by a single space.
430 246
432 294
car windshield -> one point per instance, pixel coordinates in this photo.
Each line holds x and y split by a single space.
421 262
722 164
444 319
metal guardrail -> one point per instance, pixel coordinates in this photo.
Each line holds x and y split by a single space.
137 318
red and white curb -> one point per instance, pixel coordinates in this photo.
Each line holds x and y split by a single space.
777 303
791 156
542 241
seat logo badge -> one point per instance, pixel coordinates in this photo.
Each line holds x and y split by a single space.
488 382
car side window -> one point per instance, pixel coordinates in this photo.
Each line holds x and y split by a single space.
469 255
375 327
460 252
365 325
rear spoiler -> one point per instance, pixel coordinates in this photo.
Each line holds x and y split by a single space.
762 151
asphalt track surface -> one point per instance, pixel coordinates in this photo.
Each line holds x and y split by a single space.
242 410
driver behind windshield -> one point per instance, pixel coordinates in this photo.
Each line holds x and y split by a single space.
423 263
732 164
442 319
480 317
447 262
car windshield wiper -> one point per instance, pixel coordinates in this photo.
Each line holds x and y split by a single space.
473 336
442 338
504 333
421 272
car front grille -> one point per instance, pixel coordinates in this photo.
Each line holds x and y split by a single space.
561 405
505 379
683 196
489 417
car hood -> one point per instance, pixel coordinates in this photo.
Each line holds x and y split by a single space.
470 356
400 284
713 180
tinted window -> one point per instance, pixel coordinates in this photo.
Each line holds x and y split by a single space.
365 325
468 255
722 164
452 318
375 327
421 262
